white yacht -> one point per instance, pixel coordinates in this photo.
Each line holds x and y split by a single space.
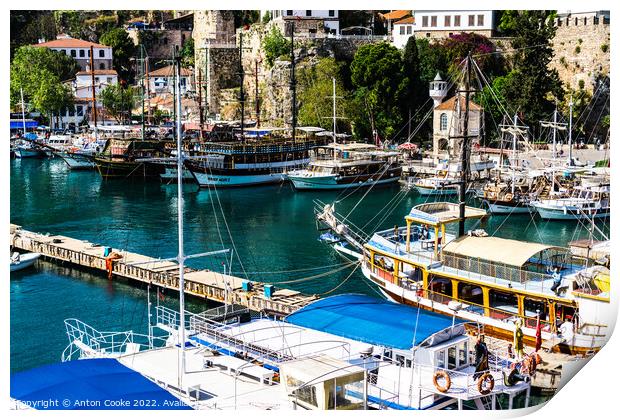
340 166
585 202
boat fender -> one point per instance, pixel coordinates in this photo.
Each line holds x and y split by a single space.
508 197
446 379
486 384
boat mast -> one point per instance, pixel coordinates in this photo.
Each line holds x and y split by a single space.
92 80
514 155
181 256
293 83
464 156
21 93
142 90
241 92
570 132
334 105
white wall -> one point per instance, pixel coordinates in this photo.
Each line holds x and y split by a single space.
399 39
420 15
314 14
84 53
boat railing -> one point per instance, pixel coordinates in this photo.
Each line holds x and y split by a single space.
170 318
85 341
339 224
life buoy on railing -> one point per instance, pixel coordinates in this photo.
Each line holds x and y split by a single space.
508 197
439 375
486 383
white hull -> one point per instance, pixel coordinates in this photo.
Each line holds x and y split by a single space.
500 209
330 183
208 180
569 214
25 261
436 191
23 153
170 175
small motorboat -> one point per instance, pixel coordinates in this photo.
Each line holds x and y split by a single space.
21 261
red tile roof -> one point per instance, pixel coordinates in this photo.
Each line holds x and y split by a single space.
450 103
98 72
405 21
395 14
70 43
169 72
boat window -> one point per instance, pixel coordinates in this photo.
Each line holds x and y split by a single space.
400 360
505 304
462 349
441 285
532 305
452 357
408 363
440 359
307 394
470 293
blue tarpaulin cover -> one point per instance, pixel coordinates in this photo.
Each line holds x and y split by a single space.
19 124
370 320
99 384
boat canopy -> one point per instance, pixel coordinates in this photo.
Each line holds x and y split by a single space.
435 214
375 321
499 250
95 381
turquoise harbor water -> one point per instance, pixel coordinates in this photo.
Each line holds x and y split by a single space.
272 227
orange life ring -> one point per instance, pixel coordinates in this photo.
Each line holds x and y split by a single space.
448 382
486 383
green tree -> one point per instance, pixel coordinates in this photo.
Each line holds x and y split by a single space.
275 45
29 26
380 90
187 53
123 50
316 88
532 86
32 65
51 96
245 17
433 60
117 101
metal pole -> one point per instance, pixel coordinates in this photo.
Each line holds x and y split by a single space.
514 155
256 97
570 132
200 109
208 78
181 256
464 157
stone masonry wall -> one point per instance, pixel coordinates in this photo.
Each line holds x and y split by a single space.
581 51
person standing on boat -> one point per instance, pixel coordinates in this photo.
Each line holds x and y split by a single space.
518 340
482 357
557 280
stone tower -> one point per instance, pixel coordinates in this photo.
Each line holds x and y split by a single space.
215 55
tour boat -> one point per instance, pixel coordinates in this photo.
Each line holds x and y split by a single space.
130 158
585 202
340 166
21 261
250 162
436 186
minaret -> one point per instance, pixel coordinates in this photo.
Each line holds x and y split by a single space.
438 90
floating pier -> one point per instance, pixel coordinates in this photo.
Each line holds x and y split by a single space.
206 284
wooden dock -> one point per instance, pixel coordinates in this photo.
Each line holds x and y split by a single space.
205 284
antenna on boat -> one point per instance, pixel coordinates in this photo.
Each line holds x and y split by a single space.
181 256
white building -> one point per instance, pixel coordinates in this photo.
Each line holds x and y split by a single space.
328 18
162 80
444 23
402 31
80 51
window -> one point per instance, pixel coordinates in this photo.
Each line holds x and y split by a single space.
446 21
480 20
71 112
308 13
88 53
332 13
462 347
457 20
79 110
109 80
428 34
440 359
101 53
96 80
409 29
289 13
443 122
101 66
73 53
402 30
472 20
82 54
433 21
424 21
452 357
